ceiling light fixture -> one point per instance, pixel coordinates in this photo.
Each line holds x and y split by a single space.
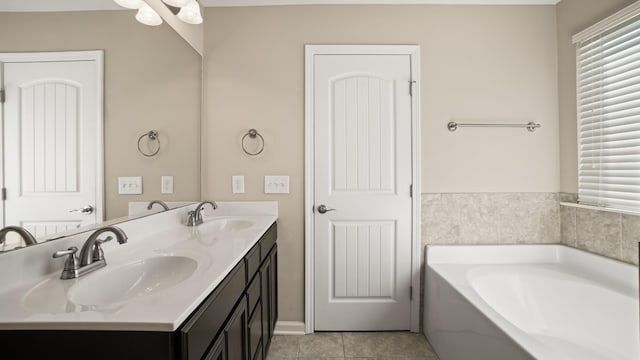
148 16
130 4
190 13
186 10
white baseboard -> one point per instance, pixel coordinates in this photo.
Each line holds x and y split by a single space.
289 328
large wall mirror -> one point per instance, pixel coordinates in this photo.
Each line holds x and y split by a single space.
151 81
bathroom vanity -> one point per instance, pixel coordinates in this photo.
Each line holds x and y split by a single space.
225 307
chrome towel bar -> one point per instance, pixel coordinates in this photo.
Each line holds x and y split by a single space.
531 126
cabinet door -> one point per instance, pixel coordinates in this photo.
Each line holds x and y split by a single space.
218 351
255 332
265 273
236 333
273 291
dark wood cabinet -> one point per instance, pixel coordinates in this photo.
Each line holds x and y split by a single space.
273 291
197 333
235 322
235 333
247 332
218 351
255 332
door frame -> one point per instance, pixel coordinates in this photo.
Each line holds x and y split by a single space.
413 51
92 55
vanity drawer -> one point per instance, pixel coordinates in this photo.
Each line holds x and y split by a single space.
206 322
267 241
252 259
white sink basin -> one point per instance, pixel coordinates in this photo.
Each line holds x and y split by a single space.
133 280
229 225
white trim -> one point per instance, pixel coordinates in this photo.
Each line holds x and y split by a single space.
98 57
309 176
234 3
416 148
608 23
289 328
414 52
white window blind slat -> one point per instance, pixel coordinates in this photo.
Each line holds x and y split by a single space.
608 86
612 59
610 75
598 118
612 95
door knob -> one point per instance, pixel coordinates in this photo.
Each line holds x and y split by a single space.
323 209
87 209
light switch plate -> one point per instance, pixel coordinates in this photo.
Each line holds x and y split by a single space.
276 184
130 185
237 184
166 184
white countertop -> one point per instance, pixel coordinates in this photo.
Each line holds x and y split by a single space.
42 302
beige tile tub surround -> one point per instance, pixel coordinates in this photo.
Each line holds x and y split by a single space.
490 218
606 233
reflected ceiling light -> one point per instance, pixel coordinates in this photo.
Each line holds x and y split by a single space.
148 16
176 3
190 13
130 4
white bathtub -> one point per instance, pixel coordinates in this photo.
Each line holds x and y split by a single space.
515 302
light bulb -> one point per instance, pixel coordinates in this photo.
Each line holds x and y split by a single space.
147 16
190 13
130 4
176 3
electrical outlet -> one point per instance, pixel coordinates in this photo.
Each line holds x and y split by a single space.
237 184
131 185
166 186
276 184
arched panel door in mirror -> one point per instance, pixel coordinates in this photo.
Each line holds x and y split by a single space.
152 81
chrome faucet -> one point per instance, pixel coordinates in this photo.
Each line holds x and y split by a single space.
194 217
91 255
159 202
24 233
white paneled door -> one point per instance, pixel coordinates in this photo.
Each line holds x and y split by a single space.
52 127
363 207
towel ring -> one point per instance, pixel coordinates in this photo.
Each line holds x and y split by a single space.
153 136
253 133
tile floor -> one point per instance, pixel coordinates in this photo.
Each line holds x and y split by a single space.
368 345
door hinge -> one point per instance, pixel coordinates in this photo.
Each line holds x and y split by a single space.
410 292
411 82
411 190
2 96
4 193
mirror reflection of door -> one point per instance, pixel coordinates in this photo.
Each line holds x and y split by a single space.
52 142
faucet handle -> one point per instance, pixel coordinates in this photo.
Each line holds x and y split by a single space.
98 254
194 218
71 265
70 251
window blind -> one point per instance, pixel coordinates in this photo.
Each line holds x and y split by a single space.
608 89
